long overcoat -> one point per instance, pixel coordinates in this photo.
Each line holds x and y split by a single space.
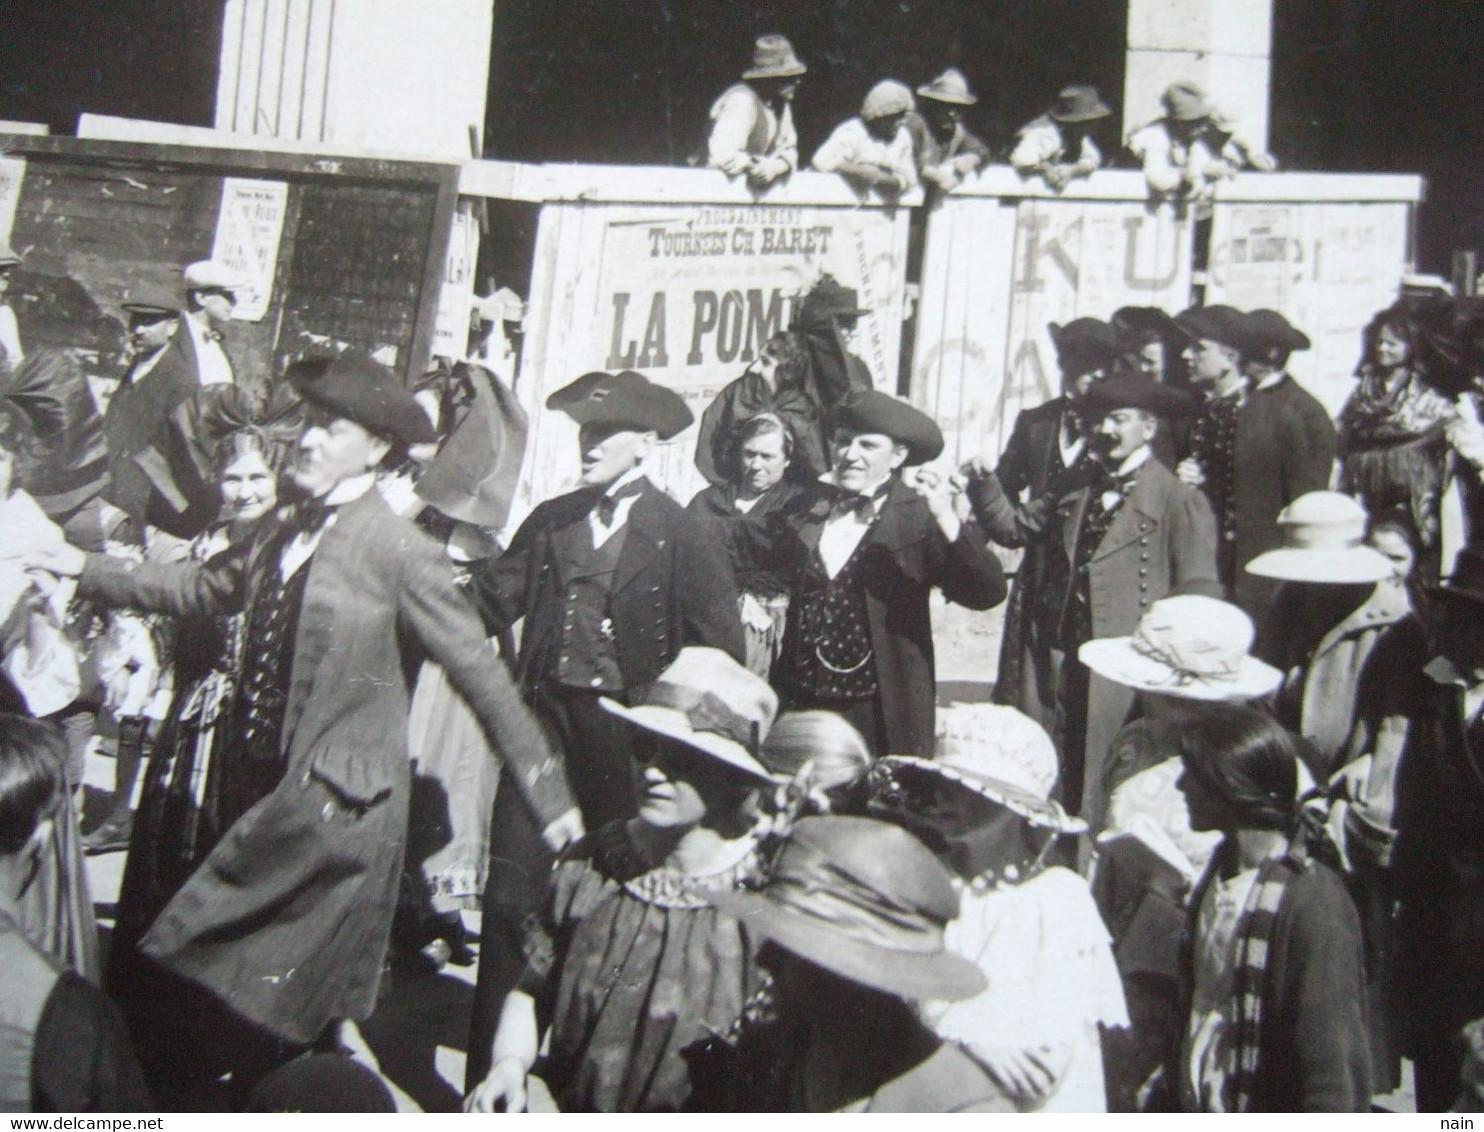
288 919
1163 536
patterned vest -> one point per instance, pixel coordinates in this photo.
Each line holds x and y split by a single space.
833 658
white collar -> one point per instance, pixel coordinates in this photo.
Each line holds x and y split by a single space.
350 489
634 473
1271 380
1133 460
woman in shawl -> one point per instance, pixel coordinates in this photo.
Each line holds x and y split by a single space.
1393 446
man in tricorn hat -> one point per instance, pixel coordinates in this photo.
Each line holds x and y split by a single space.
1014 504
752 124
612 580
1118 543
287 921
946 151
864 555
1058 145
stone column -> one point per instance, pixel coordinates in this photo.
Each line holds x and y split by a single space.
405 76
1224 45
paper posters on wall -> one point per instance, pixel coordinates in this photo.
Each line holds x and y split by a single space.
248 230
451 328
12 176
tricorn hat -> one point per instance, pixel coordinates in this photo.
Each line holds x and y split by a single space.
950 86
625 399
863 899
1323 541
773 58
1137 391
1185 102
1078 104
1218 323
1083 345
1269 330
870 410
353 386
708 701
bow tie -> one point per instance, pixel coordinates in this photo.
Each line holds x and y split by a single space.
606 506
311 515
863 507
212 335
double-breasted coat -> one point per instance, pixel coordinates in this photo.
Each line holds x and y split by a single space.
904 556
288 919
1162 536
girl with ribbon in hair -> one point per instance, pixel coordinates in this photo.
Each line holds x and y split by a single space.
1273 1016
632 970
194 789
984 805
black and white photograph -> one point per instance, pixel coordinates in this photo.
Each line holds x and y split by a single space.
896 556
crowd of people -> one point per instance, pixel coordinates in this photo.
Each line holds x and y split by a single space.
898 142
1214 845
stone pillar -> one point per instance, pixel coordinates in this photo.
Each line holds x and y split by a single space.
405 76
1224 45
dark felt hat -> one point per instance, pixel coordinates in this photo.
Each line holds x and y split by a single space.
870 410
355 387
1269 330
1136 391
1467 579
829 298
1078 104
864 899
1223 324
1133 322
1084 345
625 399
151 299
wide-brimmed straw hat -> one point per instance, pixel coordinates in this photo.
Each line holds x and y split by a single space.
950 86
1185 102
1193 647
864 899
999 754
708 701
1078 104
1323 541
773 58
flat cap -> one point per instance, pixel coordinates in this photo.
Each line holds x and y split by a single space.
151 299
210 274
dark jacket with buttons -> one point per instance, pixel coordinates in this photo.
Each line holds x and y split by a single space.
672 587
1163 536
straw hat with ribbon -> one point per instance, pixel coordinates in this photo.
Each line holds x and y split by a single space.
1323 541
865 900
708 701
1193 647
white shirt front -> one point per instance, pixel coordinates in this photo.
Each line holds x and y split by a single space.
843 533
212 366
303 544
602 531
